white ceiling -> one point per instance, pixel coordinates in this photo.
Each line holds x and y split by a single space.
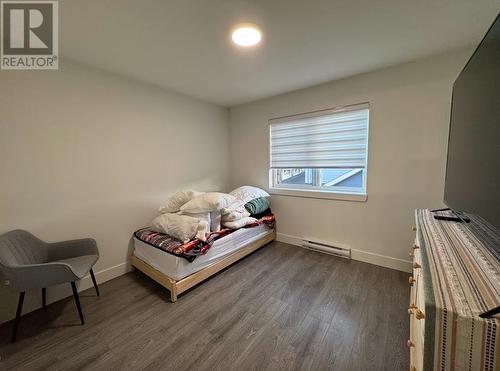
183 45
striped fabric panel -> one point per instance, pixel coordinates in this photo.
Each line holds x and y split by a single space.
461 280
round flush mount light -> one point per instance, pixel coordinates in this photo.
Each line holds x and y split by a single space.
246 35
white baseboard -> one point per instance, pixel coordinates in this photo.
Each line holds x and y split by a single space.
103 276
364 256
286 238
382 260
60 292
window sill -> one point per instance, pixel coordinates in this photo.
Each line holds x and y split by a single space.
356 197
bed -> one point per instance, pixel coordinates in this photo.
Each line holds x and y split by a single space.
177 274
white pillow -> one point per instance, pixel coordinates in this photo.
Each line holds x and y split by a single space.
239 223
212 219
248 193
207 202
215 221
181 227
234 211
174 202
202 216
238 205
235 215
203 229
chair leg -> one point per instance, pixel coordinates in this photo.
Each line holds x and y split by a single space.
95 282
44 298
77 302
18 315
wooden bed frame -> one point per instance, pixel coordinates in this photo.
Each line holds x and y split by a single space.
177 287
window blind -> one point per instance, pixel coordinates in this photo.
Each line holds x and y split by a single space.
326 139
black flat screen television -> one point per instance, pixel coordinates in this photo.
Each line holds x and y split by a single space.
473 165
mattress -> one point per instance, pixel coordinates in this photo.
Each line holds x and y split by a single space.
179 268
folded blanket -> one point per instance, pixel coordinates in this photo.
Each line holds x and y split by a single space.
191 249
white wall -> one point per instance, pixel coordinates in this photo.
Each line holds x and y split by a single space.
409 118
88 154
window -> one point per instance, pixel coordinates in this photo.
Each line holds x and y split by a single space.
321 153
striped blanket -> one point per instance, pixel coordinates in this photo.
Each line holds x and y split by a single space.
196 247
461 280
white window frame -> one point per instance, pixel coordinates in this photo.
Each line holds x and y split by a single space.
315 191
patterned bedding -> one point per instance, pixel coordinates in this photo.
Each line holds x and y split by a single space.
196 247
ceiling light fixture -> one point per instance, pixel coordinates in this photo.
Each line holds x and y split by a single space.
246 35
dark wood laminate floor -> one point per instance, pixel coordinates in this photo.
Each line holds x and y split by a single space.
282 307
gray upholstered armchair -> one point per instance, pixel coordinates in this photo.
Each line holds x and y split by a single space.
30 263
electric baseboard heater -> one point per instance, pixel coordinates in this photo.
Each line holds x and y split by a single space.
327 248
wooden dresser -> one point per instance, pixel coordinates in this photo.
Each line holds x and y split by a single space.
456 277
